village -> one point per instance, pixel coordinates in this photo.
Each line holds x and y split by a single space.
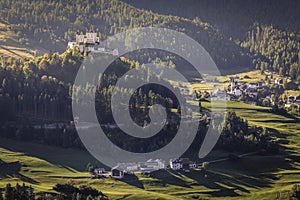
262 92
147 167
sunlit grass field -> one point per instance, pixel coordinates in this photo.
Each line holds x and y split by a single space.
254 177
11 46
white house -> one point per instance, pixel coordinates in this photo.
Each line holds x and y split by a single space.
99 172
278 81
175 164
117 172
192 165
151 165
237 92
253 85
182 164
258 84
128 167
148 166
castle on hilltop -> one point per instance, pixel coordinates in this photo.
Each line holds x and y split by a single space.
90 43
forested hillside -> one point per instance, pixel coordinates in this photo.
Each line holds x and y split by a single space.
274 49
232 17
52 23
270 31
238 35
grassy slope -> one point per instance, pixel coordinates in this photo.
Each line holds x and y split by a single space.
11 47
255 177
283 169
43 166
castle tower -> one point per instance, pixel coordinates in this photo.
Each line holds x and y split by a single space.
232 84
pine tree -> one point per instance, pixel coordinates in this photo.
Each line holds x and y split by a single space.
1 195
31 194
8 192
78 196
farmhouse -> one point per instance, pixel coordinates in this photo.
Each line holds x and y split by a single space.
175 164
151 165
117 172
256 85
128 167
192 164
182 164
99 172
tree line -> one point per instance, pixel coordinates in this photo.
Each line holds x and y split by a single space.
274 50
63 192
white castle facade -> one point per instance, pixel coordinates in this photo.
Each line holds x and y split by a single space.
90 43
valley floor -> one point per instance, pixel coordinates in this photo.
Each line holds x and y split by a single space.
253 177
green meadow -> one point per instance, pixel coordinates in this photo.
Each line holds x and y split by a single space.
253 177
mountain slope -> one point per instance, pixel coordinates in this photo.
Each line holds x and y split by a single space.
51 24
270 32
233 17
10 46
225 29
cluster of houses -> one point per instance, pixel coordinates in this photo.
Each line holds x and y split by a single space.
121 169
184 164
151 165
238 88
89 42
292 100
